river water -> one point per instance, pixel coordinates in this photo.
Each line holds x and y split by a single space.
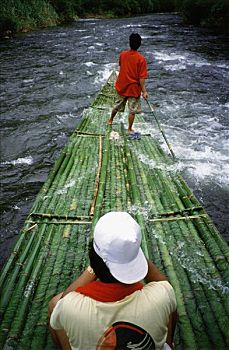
48 77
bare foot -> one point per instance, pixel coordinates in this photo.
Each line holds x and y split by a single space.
110 121
131 131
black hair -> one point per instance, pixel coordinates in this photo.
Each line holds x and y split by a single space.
135 41
100 268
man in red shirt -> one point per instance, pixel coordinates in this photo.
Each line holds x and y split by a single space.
131 81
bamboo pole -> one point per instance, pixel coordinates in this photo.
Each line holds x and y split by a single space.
148 191
168 198
99 201
97 178
160 128
39 198
189 339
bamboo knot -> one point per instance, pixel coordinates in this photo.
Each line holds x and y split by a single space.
188 197
31 227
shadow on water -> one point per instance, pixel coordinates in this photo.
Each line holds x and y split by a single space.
49 77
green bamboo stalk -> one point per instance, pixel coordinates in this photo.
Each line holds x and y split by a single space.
153 147
44 189
179 271
99 202
120 181
79 172
14 255
38 311
10 283
18 323
126 185
222 245
94 162
197 317
43 316
57 180
182 184
186 229
18 289
188 335
112 178
83 121
214 249
67 178
63 178
205 214
135 196
9 264
156 205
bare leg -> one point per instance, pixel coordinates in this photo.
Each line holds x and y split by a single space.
130 122
59 337
113 114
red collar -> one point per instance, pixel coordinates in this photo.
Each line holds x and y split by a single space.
108 292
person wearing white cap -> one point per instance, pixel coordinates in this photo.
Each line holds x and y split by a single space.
108 307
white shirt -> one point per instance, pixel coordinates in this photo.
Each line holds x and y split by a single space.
85 320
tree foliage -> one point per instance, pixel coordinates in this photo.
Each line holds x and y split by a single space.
210 13
16 15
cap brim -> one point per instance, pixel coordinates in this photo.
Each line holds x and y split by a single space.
132 272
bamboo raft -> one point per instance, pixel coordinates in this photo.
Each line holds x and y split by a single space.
96 173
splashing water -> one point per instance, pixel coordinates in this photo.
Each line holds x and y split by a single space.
19 161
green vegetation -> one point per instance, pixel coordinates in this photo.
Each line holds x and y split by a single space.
209 13
24 15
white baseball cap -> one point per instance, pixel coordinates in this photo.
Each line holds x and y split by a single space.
117 240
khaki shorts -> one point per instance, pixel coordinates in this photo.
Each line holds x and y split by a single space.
134 104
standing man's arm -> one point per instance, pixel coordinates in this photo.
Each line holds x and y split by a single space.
144 91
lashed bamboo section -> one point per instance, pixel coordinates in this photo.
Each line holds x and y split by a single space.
95 174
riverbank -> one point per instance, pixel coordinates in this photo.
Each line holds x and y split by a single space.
17 17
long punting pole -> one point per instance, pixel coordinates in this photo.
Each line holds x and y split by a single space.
160 128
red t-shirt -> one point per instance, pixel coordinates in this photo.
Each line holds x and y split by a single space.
133 67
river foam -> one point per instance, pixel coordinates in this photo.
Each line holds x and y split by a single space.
26 160
174 61
103 75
